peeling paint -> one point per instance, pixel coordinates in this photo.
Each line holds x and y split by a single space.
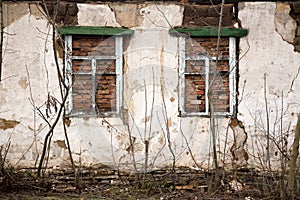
23 83
125 142
61 144
36 11
15 10
67 121
96 15
239 154
127 15
162 16
169 122
7 124
285 25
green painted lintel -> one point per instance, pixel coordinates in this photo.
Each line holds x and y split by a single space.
93 30
212 31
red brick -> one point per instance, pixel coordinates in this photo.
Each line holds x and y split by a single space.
86 44
75 44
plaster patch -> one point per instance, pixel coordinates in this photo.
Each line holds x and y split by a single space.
127 15
96 15
7 124
162 16
23 83
285 25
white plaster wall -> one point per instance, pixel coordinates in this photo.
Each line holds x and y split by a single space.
96 15
29 75
265 54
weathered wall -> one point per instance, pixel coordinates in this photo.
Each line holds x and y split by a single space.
150 72
269 75
29 76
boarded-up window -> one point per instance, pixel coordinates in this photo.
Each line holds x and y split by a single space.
207 75
94 70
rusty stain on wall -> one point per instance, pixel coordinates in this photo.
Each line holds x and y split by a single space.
7 124
239 154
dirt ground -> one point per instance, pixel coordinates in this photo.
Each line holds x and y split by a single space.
130 194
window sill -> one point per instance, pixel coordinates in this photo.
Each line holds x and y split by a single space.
94 115
205 115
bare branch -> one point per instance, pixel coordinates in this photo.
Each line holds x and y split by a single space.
51 132
293 81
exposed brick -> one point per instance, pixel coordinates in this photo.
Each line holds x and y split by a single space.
75 44
191 11
213 11
228 20
296 7
106 84
207 15
195 83
72 10
62 9
69 20
86 44
64 13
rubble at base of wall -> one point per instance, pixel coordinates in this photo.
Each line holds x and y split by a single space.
97 180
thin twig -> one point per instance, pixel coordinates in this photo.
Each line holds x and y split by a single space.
1 38
267 122
188 146
166 113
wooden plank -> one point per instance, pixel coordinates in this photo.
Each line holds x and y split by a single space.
211 31
93 30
